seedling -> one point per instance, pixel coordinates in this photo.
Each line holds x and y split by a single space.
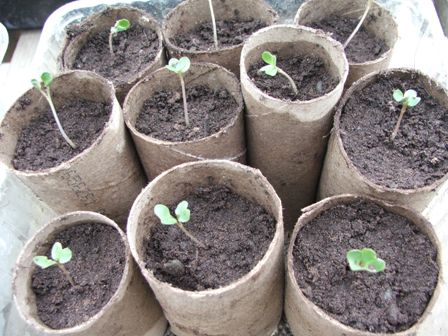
182 216
271 69
59 257
215 32
120 26
43 86
409 98
363 17
180 67
365 260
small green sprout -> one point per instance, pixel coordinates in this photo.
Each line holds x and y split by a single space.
182 216
365 260
59 257
43 86
363 17
215 32
271 69
180 67
409 98
120 26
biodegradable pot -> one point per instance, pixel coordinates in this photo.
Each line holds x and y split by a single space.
339 174
287 139
307 319
80 183
191 13
159 155
132 310
379 22
104 20
251 305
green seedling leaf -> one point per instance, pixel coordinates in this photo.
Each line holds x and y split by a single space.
270 70
164 214
269 58
413 101
409 98
46 78
182 212
43 261
365 260
36 84
120 25
179 66
398 95
59 254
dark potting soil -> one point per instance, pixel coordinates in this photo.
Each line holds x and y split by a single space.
41 145
310 74
364 46
236 231
96 267
384 302
162 115
230 33
134 49
417 157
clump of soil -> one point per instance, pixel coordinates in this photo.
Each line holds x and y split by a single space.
364 46
236 231
162 115
134 49
230 33
385 302
417 157
96 267
41 145
310 74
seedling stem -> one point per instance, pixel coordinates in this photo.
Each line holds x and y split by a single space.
271 69
120 25
215 32
180 67
364 15
409 98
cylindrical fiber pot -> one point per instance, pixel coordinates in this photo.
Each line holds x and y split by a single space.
159 155
191 13
250 306
307 319
339 174
286 140
379 22
104 20
105 177
132 310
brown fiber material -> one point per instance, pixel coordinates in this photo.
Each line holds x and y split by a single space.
104 20
105 177
379 22
191 13
287 139
132 309
339 174
306 319
158 155
251 305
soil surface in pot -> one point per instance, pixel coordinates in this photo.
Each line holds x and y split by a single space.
364 46
96 267
384 302
134 49
41 145
417 157
310 74
236 231
162 115
230 33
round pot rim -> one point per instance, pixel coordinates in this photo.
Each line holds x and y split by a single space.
117 8
114 114
307 30
171 45
152 77
38 237
337 132
278 235
315 209
379 59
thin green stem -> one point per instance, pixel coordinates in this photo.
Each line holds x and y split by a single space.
397 126
184 97
369 4
193 238
215 32
291 81
47 96
66 273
